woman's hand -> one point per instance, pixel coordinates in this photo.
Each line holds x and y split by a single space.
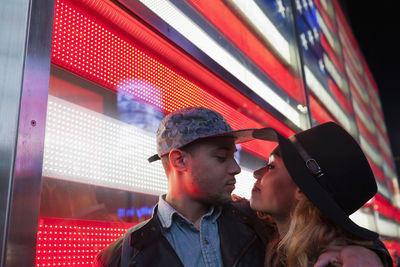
350 256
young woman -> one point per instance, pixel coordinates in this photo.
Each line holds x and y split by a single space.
312 183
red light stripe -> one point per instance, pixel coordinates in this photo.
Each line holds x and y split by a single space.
318 112
373 101
367 110
226 22
328 21
344 101
353 69
392 247
384 135
332 55
369 75
377 171
387 159
384 207
370 138
67 242
93 49
343 20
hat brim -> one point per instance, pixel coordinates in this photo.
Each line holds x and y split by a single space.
240 136
309 185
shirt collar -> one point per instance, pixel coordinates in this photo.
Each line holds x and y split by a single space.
166 213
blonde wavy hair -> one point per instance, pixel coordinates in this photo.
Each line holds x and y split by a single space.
310 234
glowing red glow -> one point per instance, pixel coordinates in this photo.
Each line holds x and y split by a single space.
318 112
95 49
384 207
343 100
238 33
379 175
66 242
371 138
340 16
332 54
328 21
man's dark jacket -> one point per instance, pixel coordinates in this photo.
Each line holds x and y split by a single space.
243 241
145 245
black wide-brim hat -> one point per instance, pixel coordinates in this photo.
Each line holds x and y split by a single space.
329 167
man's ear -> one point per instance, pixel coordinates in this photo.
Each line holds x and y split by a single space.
178 159
298 194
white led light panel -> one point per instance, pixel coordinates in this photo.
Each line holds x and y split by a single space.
88 147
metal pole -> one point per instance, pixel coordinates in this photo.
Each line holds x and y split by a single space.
25 49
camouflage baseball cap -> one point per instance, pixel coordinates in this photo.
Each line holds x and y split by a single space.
184 126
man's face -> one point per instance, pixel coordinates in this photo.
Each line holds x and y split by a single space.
212 169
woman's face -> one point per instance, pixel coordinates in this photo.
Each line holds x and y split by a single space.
274 191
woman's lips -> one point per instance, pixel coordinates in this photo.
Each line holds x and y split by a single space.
255 189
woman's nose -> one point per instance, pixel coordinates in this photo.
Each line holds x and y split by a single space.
258 174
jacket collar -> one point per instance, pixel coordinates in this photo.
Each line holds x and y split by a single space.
166 213
231 221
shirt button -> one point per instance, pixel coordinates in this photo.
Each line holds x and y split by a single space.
206 241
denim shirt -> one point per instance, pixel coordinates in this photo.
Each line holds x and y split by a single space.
194 247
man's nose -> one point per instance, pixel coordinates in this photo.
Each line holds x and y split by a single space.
235 168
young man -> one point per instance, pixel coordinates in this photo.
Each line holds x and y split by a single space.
195 223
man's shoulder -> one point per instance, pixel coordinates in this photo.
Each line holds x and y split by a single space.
111 255
141 226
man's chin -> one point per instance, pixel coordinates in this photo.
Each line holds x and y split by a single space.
223 200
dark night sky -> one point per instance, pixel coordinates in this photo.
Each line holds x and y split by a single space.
376 26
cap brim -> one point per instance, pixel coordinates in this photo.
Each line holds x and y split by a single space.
240 136
310 186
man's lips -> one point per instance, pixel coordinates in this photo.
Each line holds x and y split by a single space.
231 182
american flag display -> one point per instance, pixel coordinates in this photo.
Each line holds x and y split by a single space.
118 67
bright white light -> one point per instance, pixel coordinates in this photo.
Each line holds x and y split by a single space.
387 227
364 219
360 114
327 99
347 45
337 76
324 5
299 6
383 144
244 183
262 23
383 190
372 91
195 34
327 32
304 41
88 147
370 151
310 37
390 173
361 91
378 118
